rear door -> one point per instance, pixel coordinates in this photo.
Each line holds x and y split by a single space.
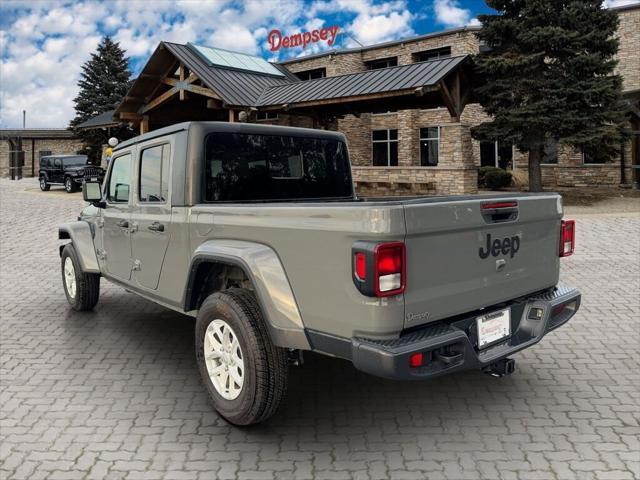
151 215
117 217
465 254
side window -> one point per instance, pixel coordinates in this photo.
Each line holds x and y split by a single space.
154 174
57 163
120 179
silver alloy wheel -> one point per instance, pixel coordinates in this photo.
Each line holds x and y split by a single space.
70 277
68 185
224 360
43 183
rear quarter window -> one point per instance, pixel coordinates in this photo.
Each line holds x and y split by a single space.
255 167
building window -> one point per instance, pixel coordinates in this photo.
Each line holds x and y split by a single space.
154 174
119 179
496 154
261 116
591 156
429 146
382 63
311 74
385 148
550 154
433 54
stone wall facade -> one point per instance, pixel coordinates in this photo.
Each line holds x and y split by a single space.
459 154
32 148
629 49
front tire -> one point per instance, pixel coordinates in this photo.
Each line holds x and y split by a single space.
69 185
44 186
244 373
82 289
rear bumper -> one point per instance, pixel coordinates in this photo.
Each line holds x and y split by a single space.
452 346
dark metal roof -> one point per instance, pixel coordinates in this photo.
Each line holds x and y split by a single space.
391 79
36 133
102 120
235 87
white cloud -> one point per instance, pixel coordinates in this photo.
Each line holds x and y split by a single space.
450 14
43 43
380 28
620 3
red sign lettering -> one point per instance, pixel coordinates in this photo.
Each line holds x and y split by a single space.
277 40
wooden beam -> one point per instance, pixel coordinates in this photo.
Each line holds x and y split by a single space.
159 100
232 118
449 101
129 116
202 91
144 125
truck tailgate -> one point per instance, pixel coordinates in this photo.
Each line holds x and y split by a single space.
469 253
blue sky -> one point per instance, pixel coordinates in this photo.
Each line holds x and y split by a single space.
43 43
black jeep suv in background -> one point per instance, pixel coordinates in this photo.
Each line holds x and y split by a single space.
67 170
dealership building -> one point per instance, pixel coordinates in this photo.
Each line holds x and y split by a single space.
406 108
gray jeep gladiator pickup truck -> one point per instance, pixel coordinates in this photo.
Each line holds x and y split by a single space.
257 233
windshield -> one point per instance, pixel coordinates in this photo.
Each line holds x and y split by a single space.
78 161
246 167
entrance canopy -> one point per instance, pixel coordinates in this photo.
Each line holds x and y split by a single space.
193 82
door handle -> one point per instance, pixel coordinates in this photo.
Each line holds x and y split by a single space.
123 224
156 227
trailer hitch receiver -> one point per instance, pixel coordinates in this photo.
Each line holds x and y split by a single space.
501 368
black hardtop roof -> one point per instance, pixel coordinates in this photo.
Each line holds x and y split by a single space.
236 127
66 155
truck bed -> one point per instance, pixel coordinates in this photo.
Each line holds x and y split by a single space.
446 275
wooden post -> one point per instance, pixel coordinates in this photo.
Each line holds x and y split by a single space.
232 116
144 124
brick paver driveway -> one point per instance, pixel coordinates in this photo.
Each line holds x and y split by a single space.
115 393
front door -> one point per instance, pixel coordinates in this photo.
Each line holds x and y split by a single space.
117 218
57 175
151 217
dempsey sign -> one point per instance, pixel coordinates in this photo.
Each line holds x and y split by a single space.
277 40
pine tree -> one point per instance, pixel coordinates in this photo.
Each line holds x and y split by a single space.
104 81
547 75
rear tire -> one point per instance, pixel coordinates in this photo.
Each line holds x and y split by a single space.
44 186
82 289
69 185
258 368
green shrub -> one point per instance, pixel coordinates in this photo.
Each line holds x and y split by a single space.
493 178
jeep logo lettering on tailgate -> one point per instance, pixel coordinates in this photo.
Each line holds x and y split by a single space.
506 246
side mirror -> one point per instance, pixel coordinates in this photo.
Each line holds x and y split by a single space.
122 192
92 193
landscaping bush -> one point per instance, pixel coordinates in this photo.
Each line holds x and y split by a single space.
493 178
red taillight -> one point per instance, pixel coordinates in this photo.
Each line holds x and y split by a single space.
389 262
493 206
361 265
567 237
415 360
379 269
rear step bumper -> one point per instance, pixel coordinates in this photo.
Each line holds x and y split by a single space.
451 347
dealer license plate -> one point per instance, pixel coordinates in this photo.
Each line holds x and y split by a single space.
493 327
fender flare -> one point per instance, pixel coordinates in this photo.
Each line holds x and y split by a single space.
263 267
81 237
